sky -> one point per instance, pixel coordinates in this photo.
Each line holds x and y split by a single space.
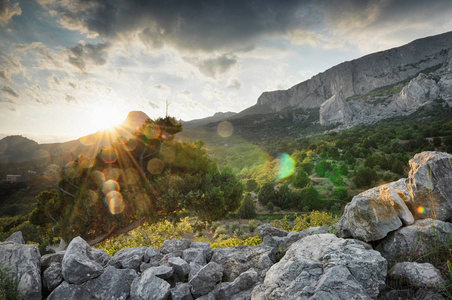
71 67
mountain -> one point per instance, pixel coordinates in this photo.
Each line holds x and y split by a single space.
217 117
19 148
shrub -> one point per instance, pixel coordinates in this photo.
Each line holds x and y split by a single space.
219 231
247 209
301 179
252 225
8 286
270 207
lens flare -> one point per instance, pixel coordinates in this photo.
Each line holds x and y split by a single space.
225 129
91 197
88 140
109 155
168 153
155 166
152 131
98 178
110 186
112 173
286 166
85 162
72 170
420 209
131 176
130 145
115 202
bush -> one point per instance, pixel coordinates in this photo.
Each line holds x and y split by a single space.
365 177
8 286
220 231
301 179
270 207
252 225
247 209
267 193
340 193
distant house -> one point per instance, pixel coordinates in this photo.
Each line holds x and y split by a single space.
13 178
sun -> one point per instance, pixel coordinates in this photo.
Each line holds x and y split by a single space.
107 119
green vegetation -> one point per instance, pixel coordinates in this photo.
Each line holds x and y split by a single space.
8 286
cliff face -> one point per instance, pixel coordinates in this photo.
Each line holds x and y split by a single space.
360 76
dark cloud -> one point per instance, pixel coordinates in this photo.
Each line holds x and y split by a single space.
212 67
7 11
70 99
83 55
10 91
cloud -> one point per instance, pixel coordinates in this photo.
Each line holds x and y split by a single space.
5 75
152 105
10 91
43 102
161 87
73 85
211 67
234 84
85 54
56 80
7 11
70 99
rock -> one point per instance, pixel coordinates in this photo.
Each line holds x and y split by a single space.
79 262
418 275
24 264
174 245
236 260
181 292
129 258
371 215
268 230
241 287
48 259
52 276
416 239
196 255
180 266
149 287
417 92
150 253
325 267
205 247
194 269
69 291
112 284
163 272
429 185
205 280
335 110
16 237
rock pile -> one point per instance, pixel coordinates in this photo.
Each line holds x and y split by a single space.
312 264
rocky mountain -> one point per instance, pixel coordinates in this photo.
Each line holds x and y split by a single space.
217 117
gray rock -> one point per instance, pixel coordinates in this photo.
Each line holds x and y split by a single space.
144 266
196 255
16 237
175 245
194 269
24 264
112 284
52 276
181 292
418 275
335 110
429 185
150 253
268 230
325 267
48 259
180 266
205 247
236 260
205 280
416 239
371 215
69 291
79 262
149 287
241 287
129 258
100 256
163 272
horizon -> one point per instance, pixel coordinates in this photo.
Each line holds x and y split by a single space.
70 69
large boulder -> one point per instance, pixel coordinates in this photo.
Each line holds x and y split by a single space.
149 287
23 261
371 215
48 259
325 267
205 248
335 110
175 245
418 275
205 280
52 276
241 288
417 239
81 262
429 185
236 260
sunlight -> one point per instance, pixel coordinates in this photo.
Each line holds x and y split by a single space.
106 118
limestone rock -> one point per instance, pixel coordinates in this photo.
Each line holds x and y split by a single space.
149 287
52 276
205 280
16 237
174 245
241 288
325 267
429 185
196 255
112 284
129 258
419 91
205 248
416 239
48 259
335 110
79 262
181 292
150 253
180 266
371 215
236 260
24 263
418 275
69 291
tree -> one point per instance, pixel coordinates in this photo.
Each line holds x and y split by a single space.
247 209
365 177
301 179
251 185
144 179
267 193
